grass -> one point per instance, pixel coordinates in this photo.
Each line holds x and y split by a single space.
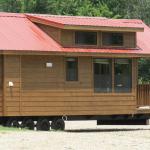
4 129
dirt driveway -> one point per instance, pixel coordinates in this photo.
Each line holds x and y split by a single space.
79 136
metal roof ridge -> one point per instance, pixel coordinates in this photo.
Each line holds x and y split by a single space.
8 14
66 16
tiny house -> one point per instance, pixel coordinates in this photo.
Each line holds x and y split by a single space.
56 68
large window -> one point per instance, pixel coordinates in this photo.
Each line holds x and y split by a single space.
102 75
85 38
71 69
123 75
112 39
112 79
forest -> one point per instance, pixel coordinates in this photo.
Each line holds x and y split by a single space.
139 9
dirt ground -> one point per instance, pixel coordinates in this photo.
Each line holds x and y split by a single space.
79 135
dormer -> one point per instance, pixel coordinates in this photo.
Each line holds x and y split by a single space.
90 32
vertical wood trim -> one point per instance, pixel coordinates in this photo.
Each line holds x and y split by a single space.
113 75
59 35
101 35
20 88
78 69
134 74
73 38
92 74
135 40
4 87
136 80
100 39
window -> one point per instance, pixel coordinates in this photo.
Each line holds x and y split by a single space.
123 75
71 69
102 75
108 79
112 39
85 38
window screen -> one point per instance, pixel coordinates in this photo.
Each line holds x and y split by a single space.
86 38
123 75
102 75
71 69
112 39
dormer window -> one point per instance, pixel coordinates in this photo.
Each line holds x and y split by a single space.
85 38
112 39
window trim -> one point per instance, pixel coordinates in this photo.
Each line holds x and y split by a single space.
131 75
85 45
65 70
123 45
113 92
111 69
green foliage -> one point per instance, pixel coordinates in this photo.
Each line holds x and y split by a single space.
144 70
130 8
105 8
59 7
10 5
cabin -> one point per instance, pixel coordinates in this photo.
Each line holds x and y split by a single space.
57 68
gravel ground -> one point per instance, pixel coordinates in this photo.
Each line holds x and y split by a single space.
79 135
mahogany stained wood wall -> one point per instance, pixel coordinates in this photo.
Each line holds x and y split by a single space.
44 91
12 72
1 85
51 31
67 37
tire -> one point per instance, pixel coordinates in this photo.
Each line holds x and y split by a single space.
58 124
28 123
43 125
12 123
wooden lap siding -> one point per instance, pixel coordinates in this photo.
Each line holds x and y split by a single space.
1 85
45 91
39 90
12 94
67 37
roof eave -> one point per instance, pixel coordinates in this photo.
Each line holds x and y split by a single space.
103 28
44 21
63 53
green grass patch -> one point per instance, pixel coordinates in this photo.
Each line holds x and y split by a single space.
2 129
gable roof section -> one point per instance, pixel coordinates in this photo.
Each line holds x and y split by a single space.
90 23
18 33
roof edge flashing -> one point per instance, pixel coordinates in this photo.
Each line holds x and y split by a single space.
44 21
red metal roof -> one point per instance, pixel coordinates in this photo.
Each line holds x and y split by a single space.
60 21
19 33
143 40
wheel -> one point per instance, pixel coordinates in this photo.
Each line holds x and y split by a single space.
28 123
58 124
43 124
12 123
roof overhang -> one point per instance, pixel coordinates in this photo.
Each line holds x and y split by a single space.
94 28
65 53
83 27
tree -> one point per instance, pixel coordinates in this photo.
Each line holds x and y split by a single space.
144 70
10 5
61 7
